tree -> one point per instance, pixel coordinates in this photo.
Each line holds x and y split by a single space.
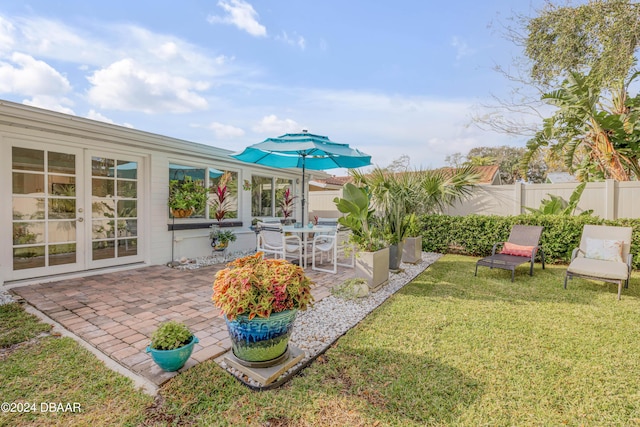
598 39
609 133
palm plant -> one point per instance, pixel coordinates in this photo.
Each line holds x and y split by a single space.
399 195
608 135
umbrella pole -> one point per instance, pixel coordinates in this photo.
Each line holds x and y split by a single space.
303 166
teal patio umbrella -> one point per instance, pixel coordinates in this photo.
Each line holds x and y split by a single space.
303 150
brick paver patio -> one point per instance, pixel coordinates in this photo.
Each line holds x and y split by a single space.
117 312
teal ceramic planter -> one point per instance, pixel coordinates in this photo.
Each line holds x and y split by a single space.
172 360
261 340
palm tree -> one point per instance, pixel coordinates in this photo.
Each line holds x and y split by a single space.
608 135
399 195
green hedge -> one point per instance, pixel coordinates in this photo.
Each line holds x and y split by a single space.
475 234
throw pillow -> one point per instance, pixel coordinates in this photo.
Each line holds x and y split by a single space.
606 250
518 250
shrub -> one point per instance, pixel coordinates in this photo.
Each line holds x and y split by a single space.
475 234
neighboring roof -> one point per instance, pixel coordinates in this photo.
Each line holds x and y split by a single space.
560 177
488 175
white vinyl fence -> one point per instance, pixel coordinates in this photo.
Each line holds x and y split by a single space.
609 199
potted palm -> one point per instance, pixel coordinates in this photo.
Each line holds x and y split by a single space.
171 345
372 262
186 197
259 299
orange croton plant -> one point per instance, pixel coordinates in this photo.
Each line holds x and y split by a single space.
254 286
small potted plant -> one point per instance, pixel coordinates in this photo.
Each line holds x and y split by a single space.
220 238
171 345
259 299
186 197
412 250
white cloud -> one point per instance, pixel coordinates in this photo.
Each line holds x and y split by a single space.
294 40
272 124
94 115
461 47
31 77
242 15
126 85
7 34
226 131
50 103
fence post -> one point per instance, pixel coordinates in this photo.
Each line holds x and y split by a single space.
610 199
517 197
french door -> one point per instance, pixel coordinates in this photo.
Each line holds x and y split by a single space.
72 209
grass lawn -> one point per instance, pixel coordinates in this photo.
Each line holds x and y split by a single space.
448 349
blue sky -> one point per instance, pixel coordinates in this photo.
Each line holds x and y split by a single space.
389 78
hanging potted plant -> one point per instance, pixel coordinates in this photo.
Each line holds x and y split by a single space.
171 345
259 299
186 197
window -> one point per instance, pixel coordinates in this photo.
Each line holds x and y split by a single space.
267 194
209 177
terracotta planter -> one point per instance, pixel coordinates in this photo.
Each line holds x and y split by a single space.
374 268
181 213
412 251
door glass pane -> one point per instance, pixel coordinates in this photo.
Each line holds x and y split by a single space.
103 249
127 247
103 208
28 208
102 187
128 228
127 170
62 231
27 159
62 185
102 229
127 208
62 254
28 183
28 233
28 257
62 163
102 167
128 189
62 208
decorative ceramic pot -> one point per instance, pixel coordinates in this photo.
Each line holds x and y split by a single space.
261 341
172 360
219 246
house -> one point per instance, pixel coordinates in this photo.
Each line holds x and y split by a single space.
82 196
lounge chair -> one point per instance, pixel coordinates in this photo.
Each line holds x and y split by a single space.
522 246
603 255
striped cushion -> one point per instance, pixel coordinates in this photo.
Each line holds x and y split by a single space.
513 249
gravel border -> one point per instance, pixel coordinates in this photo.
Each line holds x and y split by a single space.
317 328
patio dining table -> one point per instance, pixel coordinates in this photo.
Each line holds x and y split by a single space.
304 232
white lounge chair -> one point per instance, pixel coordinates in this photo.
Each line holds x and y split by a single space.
603 255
